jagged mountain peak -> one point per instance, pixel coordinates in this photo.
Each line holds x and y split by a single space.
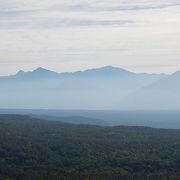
37 73
43 70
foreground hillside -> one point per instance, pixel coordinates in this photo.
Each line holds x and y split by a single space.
39 149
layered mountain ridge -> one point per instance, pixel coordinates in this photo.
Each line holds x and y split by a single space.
101 88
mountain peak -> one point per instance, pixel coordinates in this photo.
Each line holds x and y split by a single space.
20 72
105 71
108 67
112 68
40 69
43 71
37 73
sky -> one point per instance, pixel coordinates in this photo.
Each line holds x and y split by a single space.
70 35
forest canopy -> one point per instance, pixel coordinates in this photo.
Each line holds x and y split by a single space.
39 149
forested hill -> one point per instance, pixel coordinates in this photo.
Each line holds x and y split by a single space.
38 149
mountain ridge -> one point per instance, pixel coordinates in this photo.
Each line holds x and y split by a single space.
99 88
161 94
105 70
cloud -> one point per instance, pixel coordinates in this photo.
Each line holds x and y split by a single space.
57 14
60 22
81 22
116 6
19 6
77 34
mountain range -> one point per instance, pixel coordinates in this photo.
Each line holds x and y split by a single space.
101 88
163 94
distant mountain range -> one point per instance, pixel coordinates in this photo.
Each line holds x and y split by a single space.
102 88
104 72
162 94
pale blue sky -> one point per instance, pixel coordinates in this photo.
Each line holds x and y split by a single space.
140 35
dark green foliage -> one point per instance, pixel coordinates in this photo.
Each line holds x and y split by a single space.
33 149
